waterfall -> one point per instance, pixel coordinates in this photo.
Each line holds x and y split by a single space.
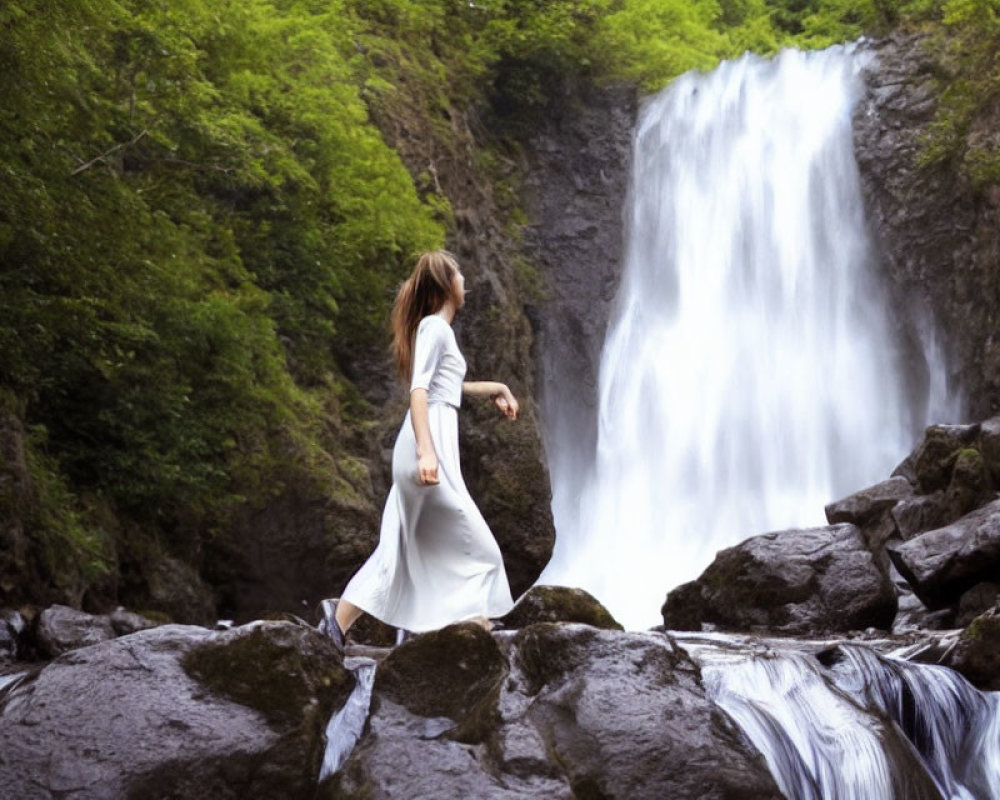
851 724
749 374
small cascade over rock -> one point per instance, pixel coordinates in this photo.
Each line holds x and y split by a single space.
345 727
848 722
750 374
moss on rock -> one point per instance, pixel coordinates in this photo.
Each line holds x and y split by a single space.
559 604
977 654
279 668
453 672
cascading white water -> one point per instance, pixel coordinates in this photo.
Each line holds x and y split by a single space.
749 374
864 727
345 727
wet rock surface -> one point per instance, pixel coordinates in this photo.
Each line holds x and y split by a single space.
175 711
61 628
977 652
559 604
792 582
944 563
871 509
557 711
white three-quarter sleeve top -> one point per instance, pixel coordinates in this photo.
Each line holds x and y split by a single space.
438 364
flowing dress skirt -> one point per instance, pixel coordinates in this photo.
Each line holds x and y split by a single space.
437 561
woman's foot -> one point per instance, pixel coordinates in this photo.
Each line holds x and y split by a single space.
328 623
486 624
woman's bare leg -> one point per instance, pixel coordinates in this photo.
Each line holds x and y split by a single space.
347 614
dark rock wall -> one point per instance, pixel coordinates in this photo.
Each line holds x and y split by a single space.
938 237
574 194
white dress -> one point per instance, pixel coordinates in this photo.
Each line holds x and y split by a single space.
436 561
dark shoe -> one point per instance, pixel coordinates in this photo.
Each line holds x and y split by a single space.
328 623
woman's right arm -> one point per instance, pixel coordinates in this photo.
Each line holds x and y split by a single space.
427 463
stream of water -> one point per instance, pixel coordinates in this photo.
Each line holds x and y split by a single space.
844 721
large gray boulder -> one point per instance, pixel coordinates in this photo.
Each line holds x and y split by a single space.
912 516
175 711
626 715
815 580
871 509
61 629
555 711
942 564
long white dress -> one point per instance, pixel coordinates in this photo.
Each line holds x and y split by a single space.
436 561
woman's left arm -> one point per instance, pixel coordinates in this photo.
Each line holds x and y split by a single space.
501 396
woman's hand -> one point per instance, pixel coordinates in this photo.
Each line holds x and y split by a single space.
427 469
497 392
506 402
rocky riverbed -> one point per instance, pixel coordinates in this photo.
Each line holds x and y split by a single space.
560 702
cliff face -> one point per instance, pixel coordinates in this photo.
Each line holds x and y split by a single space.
939 237
574 194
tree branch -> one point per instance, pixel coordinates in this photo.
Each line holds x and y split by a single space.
104 156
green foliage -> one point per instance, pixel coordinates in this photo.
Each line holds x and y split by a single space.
73 539
965 42
655 41
190 196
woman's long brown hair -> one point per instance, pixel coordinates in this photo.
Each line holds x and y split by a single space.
430 285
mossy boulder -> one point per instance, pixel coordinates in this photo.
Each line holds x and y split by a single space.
278 668
454 672
176 711
977 653
935 457
810 581
952 471
559 604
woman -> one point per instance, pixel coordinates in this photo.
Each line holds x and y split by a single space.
436 561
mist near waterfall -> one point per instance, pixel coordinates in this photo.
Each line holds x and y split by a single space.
750 373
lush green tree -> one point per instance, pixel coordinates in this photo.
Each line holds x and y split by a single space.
193 199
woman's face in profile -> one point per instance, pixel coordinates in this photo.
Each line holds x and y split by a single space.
460 287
